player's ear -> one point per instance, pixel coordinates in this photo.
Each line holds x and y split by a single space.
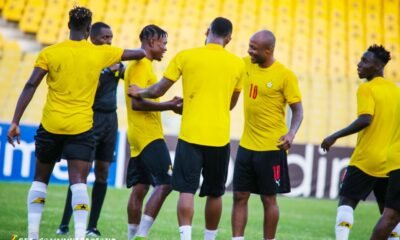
151 42
207 32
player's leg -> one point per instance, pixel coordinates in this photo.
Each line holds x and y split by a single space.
185 180
272 174
389 221
158 162
244 183
356 186
63 229
48 148
105 127
215 172
139 180
78 150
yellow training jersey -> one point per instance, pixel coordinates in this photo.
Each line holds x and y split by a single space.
266 92
73 71
143 126
210 75
393 152
377 98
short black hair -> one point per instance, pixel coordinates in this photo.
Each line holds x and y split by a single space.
79 18
221 27
96 27
151 31
380 53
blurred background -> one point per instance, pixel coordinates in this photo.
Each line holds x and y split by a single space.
320 40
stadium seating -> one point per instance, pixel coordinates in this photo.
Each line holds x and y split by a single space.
321 40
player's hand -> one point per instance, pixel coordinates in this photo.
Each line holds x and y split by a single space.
134 91
328 142
13 132
177 105
285 142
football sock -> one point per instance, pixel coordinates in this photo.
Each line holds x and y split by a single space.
132 229
344 222
210 234
395 235
145 224
98 194
35 202
80 206
185 232
238 238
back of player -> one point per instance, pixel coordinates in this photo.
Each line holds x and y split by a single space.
211 78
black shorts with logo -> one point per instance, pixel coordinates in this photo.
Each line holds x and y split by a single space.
393 191
105 128
191 160
358 185
261 172
152 166
49 146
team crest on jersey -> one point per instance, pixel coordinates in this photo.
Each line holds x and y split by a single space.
269 84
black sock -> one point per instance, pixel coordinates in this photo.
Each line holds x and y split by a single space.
98 195
67 209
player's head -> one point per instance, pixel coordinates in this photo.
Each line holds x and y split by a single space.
221 28
80 19
100 33
372 62
261 46
154 41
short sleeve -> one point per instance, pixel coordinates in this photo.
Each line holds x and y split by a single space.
240 78
136 73
365 100
174 69
111 55
41 61
291 89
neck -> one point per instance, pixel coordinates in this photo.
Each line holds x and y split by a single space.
215 40
76 35
148 51
378 74
267 63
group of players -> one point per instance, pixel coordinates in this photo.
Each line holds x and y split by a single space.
79 123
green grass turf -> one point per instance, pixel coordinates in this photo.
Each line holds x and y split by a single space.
300 218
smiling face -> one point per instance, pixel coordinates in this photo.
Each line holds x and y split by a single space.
158 47
368 66
257 50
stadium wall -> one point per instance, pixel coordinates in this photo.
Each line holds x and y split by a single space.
313 172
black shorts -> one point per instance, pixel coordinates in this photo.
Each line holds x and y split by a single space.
50 146
357 185
191 160
105 128
261 172
152 166
393 191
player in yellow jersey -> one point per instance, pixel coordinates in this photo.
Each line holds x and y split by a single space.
73 68
391 213
261 162
376 103
211 78
150 162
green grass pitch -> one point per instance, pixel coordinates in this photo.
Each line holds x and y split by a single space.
300 218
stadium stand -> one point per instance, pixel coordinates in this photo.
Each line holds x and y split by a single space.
321 40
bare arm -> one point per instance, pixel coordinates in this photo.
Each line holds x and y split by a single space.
285 142
234 99
23 101
359 124
140 104
154 91
133 54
